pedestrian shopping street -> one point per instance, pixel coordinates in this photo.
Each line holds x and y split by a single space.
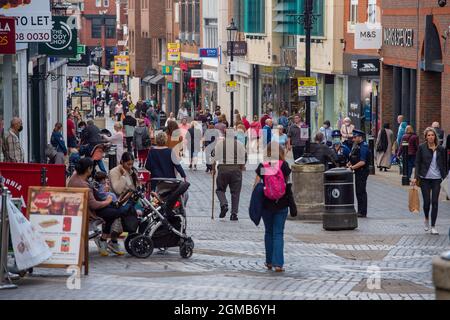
228 260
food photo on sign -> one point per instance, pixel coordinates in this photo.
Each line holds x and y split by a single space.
59 215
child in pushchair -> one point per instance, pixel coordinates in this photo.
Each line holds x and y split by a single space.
163 224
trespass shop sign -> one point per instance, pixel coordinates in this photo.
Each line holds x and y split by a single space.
63 39
33 19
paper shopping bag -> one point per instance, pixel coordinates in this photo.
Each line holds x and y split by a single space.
414 201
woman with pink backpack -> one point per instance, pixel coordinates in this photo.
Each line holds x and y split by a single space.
274 174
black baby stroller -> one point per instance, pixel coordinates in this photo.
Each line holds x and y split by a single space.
163 224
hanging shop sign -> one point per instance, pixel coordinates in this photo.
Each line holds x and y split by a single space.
211 76
238 48
197 73
63 41
33 19
307 87
7 35
368 67
209 52
368 36
173 51
177 75
398 37
121 65
167 70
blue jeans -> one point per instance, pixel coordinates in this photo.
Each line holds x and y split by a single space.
273 238
411 165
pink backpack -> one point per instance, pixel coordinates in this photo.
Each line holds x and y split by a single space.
274 183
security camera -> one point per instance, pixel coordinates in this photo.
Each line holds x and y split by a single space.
442 3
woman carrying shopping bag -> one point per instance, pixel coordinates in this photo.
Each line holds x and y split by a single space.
431 169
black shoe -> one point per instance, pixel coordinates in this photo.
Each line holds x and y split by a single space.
190 166
223 211
234 217
360 215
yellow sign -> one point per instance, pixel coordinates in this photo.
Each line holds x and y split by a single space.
173 56
121 65
99 87
307 82
173 47
77 89
231 83
307 87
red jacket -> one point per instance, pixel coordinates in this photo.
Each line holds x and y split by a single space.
246 123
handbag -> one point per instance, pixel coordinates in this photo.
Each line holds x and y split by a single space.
414 201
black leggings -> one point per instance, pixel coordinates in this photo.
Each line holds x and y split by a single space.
431 187
110 214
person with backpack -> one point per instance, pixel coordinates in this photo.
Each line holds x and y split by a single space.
274 174
142 142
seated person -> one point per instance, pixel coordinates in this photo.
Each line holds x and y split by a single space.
103 187
321 151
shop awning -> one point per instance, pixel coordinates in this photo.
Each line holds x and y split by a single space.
147 79
158 79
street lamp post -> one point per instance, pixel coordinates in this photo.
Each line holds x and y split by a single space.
232 33
307 19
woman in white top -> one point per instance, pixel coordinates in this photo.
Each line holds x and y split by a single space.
347 131
117 139
170 118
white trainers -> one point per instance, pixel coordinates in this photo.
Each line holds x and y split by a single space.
427 225
434 231
102 247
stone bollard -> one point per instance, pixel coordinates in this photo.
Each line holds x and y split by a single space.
307 187
441 278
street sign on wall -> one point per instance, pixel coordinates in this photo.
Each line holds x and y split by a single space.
307 87
64 39
209 52
197 73
7 35
33 19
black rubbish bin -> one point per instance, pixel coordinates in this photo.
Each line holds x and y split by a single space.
112 157
340 213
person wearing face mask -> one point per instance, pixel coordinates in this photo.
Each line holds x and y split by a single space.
327 131
347 132
341 151
12 149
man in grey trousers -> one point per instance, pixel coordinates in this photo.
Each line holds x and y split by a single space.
230 156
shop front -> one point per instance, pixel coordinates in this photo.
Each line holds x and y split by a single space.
363 76
210 89
191 85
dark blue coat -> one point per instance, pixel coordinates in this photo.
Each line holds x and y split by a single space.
256 204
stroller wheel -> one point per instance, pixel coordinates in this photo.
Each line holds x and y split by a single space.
130 237
141 247
187 249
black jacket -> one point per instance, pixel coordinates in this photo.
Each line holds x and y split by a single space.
424 157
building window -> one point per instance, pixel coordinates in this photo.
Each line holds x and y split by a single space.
106 3
98 3
372 11
353 12
211 33
197 16
110 25
292 27
96 30
177 13
183 16
254 16
190 17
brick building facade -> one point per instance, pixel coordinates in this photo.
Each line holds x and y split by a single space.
416 63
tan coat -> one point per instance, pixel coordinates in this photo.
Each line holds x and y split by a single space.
384 158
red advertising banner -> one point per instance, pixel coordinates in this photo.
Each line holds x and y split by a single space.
7 35
18 177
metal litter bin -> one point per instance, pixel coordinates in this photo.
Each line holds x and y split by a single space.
340 213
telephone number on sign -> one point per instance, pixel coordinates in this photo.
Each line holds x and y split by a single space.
33 36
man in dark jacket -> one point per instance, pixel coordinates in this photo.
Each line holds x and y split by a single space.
321 151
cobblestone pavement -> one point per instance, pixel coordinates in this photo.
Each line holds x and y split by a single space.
387 257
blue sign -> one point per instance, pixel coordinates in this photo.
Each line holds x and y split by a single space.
209 53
